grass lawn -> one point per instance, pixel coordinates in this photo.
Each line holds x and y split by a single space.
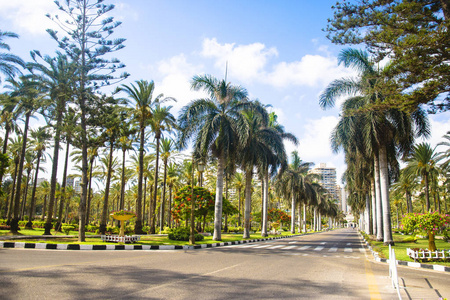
402 242
145 239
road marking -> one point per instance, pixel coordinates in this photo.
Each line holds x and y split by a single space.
263 246
304 247
348 244
333 249
362 250
318 248
371 282
323 243
292 243
348 250
289 247
277 246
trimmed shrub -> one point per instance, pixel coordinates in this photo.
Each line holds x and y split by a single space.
182 234
67 228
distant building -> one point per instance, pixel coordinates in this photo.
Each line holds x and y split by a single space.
77 186
70 181
328 180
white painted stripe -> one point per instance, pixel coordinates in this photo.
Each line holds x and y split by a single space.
249 246
263 246
333 249
166 247
362 250
304 247
348 244
289 247
61 246
323 243
110 247
277 246
348 250
292 242
19 245
86 247
318 248
129 247
41 246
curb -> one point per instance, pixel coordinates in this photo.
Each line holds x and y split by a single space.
47 246
405 263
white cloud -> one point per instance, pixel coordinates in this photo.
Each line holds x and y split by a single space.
315 143
29 15
440 124
176 75
245 62
250 63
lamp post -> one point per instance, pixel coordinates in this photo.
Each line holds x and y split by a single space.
201 168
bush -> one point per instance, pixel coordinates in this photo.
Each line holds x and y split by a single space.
182 234
38 224
91 228
67 228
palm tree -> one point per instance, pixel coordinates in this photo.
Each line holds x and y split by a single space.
27 91
423 163
41 137
385 131
15 147
56 77
213 124
239 184
7 119
142 96
167 152
9 62
161 121
126 133
444 156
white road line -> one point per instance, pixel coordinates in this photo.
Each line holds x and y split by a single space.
292 243
348 250
362 250
304 247
249 246
289 247
348 244
263 246
277 246
318 248
333 249
323 243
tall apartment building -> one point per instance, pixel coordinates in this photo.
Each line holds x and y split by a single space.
328 180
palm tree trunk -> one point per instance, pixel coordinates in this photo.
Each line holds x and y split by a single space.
25 195
145 199
153 229
170 209
378 199
374 206
368 215
384 181
239 208
122 186
5 146
217 236
164 195
102 228
63 188
89 196
304 217
33 194
138 225
427 192
293 212
15 220
299 207
265 202
248 202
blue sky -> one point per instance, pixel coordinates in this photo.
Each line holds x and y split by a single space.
275 49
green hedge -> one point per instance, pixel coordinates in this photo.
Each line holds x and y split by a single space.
183 234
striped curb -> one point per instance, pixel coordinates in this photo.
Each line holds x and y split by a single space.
406 263
47 246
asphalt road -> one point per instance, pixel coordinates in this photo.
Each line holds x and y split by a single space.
329 265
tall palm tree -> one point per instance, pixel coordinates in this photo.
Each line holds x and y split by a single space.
384 131
167 152
41 138
7 119
27 90
56 77
142 96
239 184
8 61
126 137
444 155
213 124
162 120
423 163
15 147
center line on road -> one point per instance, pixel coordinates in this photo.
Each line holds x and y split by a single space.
318 248
333 249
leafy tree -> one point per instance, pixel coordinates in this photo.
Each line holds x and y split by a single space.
88 31
431 223
181 209
413 34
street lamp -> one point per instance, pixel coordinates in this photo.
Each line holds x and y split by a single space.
201 168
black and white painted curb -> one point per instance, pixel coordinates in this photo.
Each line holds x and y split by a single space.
406 263
25 245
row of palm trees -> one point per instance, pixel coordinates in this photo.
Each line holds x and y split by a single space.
373 140
228 126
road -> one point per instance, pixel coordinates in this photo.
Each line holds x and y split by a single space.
329 265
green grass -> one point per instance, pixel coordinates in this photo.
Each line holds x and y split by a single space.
402 242
145 239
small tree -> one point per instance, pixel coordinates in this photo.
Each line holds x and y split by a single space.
429 222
